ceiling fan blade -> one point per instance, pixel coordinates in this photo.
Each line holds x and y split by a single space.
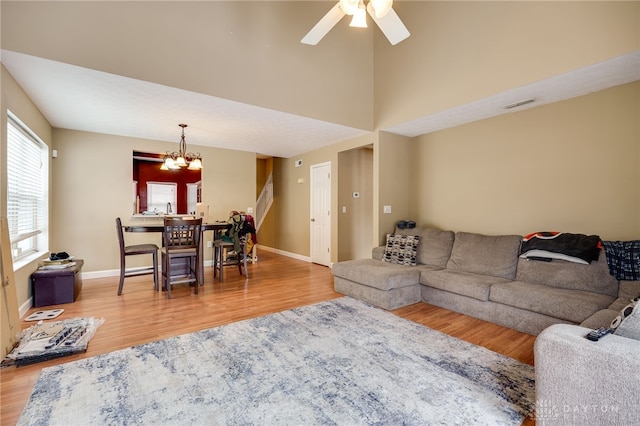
324 25
390 25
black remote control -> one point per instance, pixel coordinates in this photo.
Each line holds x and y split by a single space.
596 334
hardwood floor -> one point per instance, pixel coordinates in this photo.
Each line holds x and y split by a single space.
276 283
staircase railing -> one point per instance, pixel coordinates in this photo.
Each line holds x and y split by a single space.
265 200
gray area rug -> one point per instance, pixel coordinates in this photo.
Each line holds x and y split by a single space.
339 362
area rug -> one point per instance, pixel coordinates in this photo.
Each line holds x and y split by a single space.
339 362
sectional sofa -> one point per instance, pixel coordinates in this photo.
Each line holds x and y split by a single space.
483 276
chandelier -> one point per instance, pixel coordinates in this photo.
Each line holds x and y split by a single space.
182 158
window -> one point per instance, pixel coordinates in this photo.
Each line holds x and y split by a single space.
27 190
162 197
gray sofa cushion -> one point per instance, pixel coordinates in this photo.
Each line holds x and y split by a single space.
601 318
594 277
465 283
569 305
435 246
378 252
377 274
485 254
629 290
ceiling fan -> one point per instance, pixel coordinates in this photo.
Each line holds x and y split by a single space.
380 10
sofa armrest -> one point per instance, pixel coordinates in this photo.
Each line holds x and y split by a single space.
377 253
583 382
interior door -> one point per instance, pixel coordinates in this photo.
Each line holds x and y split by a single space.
320 231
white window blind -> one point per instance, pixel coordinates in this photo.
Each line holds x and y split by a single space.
161 195
27 189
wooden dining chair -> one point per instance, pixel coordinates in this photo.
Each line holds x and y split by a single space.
134 250
223 256
181 241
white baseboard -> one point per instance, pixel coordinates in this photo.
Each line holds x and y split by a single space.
24 308
286 253
116 272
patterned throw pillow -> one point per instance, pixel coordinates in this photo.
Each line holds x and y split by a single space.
627 324
401 249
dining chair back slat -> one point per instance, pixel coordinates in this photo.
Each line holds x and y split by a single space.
182 233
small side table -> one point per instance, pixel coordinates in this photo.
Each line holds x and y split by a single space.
56 286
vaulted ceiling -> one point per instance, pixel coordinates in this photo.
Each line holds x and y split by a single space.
237 73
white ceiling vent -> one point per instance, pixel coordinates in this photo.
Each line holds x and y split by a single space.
519 103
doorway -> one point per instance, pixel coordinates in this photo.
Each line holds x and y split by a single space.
355 204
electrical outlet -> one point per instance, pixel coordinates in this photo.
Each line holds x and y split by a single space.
250 210
209 244
386 209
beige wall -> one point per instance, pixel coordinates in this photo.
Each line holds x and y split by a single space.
14 99
92 186
286 226
393 182
572 166
461 51
355 215
244 51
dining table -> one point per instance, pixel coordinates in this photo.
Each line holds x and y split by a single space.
217 227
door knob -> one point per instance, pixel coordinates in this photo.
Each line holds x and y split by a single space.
313 220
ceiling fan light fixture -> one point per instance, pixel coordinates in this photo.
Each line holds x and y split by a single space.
349 6
382 14
381 7
359 19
